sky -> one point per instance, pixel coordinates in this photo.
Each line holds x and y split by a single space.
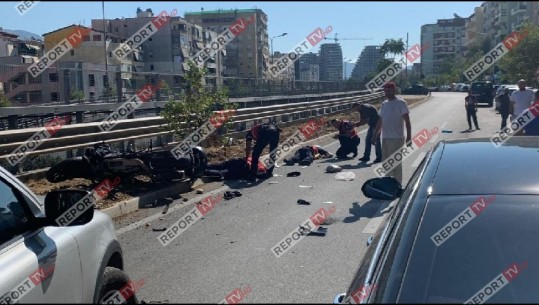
376 21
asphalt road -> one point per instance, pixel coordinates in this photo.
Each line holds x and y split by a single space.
230 247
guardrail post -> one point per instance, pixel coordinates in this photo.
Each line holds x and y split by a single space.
67 87
79 117
13 121
119 87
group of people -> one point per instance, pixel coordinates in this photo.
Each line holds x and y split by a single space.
386 133
510 107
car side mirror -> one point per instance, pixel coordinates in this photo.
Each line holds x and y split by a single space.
69 207
385 188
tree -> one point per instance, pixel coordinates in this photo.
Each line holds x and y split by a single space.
196 106
77 95
523 60
165 89
393 47
4 101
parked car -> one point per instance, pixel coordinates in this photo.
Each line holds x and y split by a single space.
42 261
416 89
483 92
450 240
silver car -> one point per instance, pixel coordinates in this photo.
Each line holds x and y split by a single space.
42 261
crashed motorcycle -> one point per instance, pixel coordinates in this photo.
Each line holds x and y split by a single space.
100 162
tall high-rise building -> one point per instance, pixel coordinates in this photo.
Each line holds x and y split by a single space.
247 55
331 62
367 62
307 67
446 39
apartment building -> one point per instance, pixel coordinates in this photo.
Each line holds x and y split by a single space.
367 62
247 55
307 67
331 62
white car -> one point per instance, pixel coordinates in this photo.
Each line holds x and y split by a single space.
44 262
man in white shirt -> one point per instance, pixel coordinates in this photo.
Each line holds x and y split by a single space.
393 116
520 101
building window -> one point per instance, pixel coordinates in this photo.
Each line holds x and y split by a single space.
34 80
91 80
92 96
105 80
151 67
150 39
53 77
54 96
86 38
116 30
97 37
110 54
72 52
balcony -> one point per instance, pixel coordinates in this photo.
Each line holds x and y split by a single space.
518 10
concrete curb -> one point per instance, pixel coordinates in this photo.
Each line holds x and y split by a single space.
147 200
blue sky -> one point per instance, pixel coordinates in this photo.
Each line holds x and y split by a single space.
376 20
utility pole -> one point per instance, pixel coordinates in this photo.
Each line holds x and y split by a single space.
105 50
406 61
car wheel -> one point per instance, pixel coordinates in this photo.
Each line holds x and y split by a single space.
114 280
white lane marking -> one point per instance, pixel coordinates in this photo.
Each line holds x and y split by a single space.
419 159
377 219
158 215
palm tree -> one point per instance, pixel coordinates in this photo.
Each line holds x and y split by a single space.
394 47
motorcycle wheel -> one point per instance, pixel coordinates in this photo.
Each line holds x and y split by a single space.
200 161
66 170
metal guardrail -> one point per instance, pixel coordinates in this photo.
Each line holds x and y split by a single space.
78 136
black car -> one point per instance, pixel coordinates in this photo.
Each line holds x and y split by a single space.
463 231
416 89
484 91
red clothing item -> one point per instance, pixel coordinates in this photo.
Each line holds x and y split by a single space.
261 166
346 129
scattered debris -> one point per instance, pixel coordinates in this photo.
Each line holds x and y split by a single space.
293 174
447 131
199 191
229 195
304 167
185 199
274 182
333 168
306 186
147 225
159 230
327 202
319 232
165 210
277 175
301 201
345 176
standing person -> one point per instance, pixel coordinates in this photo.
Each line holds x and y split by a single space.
532 128
470 103
263 134
521 99
369 115
505 106
394 115
347 137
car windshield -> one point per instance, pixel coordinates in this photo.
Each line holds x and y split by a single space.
470 248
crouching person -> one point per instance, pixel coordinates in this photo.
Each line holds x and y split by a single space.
347 137
306 155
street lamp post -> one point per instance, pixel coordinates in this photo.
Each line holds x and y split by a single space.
271 40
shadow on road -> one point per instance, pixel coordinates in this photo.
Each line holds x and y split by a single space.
368 210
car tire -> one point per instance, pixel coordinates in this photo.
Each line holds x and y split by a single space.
114 279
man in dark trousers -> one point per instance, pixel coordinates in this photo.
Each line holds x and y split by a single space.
470 103
263 134
369 115
306 155
505 106
347 137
